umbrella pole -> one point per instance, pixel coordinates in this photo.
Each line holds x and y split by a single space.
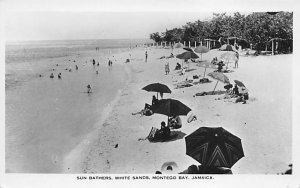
204 72
215 87
157 95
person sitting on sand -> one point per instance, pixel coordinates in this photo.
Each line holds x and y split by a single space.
76 67
89 89
175 122
51 76
235 90
98 64
59 75
178 66
220 66
97 72
154 100
214 61
182 72
243 95
164 132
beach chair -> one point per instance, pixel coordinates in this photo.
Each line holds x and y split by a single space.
152 133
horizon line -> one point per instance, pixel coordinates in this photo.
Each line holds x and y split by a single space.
37 40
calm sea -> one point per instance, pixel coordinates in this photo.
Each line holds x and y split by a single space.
23 59
47 118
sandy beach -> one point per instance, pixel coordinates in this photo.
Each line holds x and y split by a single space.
264 123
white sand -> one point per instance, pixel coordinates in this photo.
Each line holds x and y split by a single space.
264 124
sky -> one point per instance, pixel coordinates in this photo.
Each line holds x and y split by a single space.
62 25
108 19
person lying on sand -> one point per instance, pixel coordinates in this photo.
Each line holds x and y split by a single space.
162 57
183 85
147 111
219 92
237 94
228 94
171 56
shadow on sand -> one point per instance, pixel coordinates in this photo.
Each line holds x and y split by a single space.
175 135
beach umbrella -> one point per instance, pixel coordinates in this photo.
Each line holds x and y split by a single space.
187 55
188 49
157 87
178 45
171 107
227 47
214 147
239 83
206 64
219 77
201 50
229 57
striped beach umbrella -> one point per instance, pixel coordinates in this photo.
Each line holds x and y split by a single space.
219 77
214 147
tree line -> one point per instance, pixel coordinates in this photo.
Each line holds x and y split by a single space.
255 30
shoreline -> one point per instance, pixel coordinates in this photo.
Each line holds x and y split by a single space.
75 160
34 159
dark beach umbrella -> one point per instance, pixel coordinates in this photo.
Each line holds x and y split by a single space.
214 147
188 49
227 47
201 50
171 107
219 77
239 83
187 55
157 87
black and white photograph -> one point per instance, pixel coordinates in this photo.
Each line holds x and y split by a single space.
110 93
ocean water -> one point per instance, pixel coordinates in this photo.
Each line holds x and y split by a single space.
23 59
46 118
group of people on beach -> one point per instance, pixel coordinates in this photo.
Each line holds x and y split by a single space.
237 93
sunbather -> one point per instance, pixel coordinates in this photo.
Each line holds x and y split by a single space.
147 111
154 100
164 132
178 66
175 122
